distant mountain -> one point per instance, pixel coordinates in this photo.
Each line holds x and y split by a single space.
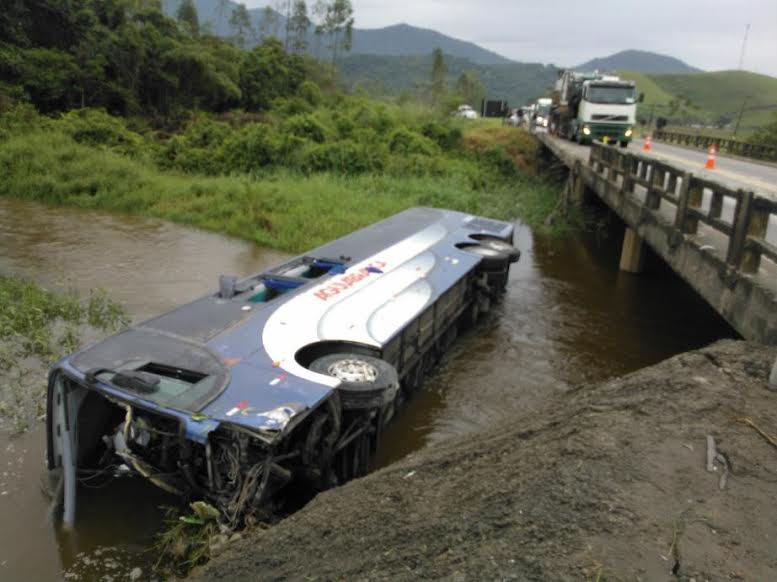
406 40
640 61
397 40
393 75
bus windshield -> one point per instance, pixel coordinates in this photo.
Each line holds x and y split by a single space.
615 94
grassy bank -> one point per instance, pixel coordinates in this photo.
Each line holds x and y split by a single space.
282 209
37 327
290 181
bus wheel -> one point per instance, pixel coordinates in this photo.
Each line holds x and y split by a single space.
365 382
500 246
490 259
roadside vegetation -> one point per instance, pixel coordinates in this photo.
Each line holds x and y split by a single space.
37 327
259 144
310 169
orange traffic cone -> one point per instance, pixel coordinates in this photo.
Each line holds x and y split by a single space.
710 165
648 143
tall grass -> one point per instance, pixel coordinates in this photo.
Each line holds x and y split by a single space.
281 209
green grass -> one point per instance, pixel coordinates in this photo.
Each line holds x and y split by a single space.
281 209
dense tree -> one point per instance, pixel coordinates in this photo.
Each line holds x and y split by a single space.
122 55
439 75
469 87
300 25
269 24
338 25
240 24
268 72
319 14
188 17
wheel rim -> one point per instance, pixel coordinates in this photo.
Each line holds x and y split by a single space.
497 245
484 251
353 371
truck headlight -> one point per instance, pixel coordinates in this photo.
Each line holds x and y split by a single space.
587 130
628 132
544 123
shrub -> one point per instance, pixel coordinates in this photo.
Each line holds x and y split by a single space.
22 118
448 138
194 151
404 141
305 126
286 107
96 128
250 149
311 93
346 157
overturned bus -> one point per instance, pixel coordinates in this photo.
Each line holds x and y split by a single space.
288 376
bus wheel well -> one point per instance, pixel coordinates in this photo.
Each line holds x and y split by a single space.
311 352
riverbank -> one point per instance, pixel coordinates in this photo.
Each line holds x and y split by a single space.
37 327
290 182
608 481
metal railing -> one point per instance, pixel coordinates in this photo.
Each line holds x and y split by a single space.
729 146
747 229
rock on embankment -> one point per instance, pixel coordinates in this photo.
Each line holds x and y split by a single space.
610 482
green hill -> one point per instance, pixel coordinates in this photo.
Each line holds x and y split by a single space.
645 84
708 98
721 94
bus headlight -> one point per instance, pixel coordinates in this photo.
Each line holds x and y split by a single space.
628 132
587 130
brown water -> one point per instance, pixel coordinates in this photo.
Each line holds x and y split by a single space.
569 316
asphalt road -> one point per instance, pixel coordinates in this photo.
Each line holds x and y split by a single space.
755 176
733 172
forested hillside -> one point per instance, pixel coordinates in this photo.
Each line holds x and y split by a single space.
515 82
129 58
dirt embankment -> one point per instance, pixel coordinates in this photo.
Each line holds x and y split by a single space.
610 482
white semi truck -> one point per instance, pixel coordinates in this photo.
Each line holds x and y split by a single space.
589 106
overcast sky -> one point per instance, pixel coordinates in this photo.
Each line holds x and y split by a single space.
704 33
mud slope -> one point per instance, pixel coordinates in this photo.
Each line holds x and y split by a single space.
610 482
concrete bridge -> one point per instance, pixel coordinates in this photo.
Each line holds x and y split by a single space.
718 231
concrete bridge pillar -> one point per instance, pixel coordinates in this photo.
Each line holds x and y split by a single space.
633 252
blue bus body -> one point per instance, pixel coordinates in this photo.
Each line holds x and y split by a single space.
217 399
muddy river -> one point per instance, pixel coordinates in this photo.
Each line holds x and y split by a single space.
569 316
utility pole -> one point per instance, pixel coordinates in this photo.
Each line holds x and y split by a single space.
744 44
741 111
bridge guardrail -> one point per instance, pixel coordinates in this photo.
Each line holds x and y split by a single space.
730 146
747 230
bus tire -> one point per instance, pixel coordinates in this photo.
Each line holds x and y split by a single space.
366 382
500 246
490 259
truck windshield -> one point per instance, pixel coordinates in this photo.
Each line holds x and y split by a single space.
543 110
615 94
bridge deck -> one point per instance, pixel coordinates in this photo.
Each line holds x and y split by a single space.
703 257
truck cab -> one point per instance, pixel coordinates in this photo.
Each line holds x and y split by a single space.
607 109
